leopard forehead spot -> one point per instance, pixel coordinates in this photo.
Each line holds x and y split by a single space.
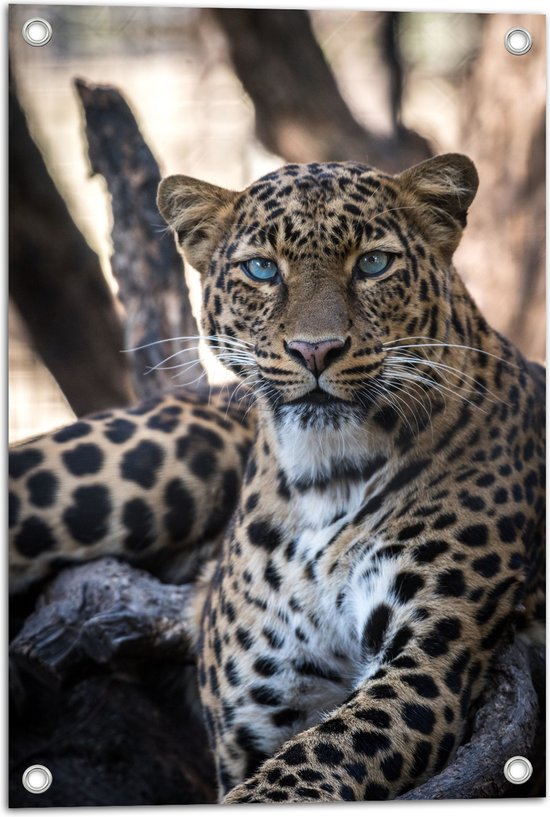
309 211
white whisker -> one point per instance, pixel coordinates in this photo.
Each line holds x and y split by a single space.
416 378
191 382
442 344
442 367
222 339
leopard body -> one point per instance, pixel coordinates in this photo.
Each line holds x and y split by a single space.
388 533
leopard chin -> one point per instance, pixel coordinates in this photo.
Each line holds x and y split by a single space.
318 409
318 413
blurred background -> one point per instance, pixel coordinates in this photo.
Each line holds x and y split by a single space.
227 95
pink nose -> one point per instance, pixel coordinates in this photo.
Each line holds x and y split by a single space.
315 356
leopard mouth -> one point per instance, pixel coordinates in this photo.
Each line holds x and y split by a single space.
317 397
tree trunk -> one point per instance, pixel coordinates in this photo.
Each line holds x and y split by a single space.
57 283
159 324
300 113
503 253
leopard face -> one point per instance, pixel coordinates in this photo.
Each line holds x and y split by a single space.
313 277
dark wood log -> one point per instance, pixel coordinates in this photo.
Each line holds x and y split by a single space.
57 283
300 113
504 726
145 261
104 694
111 740
104 610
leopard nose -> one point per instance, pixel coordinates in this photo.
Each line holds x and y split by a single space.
316 355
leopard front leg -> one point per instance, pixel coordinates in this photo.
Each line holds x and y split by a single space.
397 725
395 654
396 730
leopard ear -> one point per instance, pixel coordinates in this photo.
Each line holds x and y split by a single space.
444 187
198 213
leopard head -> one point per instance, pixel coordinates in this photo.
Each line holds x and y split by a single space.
312 273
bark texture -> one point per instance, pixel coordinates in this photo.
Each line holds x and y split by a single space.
103 693
145 261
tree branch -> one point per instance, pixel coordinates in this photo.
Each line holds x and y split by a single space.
300 113
145 262
57 283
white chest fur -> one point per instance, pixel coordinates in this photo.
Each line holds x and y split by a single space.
307 453
315 614
319 514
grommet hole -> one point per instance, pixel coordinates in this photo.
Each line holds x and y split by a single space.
518 41
37 779
37 31
518 769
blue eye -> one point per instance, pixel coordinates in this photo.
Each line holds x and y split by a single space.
261 269
374 263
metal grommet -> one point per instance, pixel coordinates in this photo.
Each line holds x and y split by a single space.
518 770
518 41
37 779
37 31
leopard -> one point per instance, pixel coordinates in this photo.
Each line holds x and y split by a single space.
386 535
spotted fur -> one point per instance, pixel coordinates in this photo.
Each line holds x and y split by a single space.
155 483
388 529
